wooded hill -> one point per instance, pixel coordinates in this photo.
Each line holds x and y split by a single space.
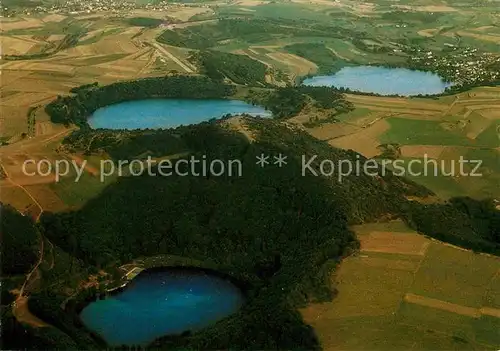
277 230
240 69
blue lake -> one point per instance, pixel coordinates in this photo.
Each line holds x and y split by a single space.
168 113
161 302
383 81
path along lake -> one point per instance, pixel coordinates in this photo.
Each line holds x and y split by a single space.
162 302
168 113
383 81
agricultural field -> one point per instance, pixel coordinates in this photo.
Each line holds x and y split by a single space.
465 125
60 51
401 282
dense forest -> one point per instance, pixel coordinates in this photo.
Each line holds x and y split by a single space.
240 224
278 230
463 221
78 107
240 69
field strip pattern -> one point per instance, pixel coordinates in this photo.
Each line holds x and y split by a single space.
400 282
400 243
451 307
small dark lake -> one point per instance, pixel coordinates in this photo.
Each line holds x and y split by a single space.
383 81
162 302
168 113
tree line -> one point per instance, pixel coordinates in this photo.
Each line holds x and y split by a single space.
240 69
280 231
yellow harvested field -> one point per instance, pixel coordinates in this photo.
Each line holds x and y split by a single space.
113 44
488 311
25 99
476 127
13 120
492 113
44 127
38 66
8 76
389 242
56 37
23 314
486 37
131 31
182 13
364 7
451 307
428 33
365 141
250 53
39 85
385 263
15 46
480 106
187 12
91 34
482 28
21 23
122 66
302 66
251 2
429 8
418 151
368 119
490 92
411 104
332 130
46 197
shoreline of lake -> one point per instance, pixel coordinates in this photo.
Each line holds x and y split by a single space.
207 273
382 81
163 113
